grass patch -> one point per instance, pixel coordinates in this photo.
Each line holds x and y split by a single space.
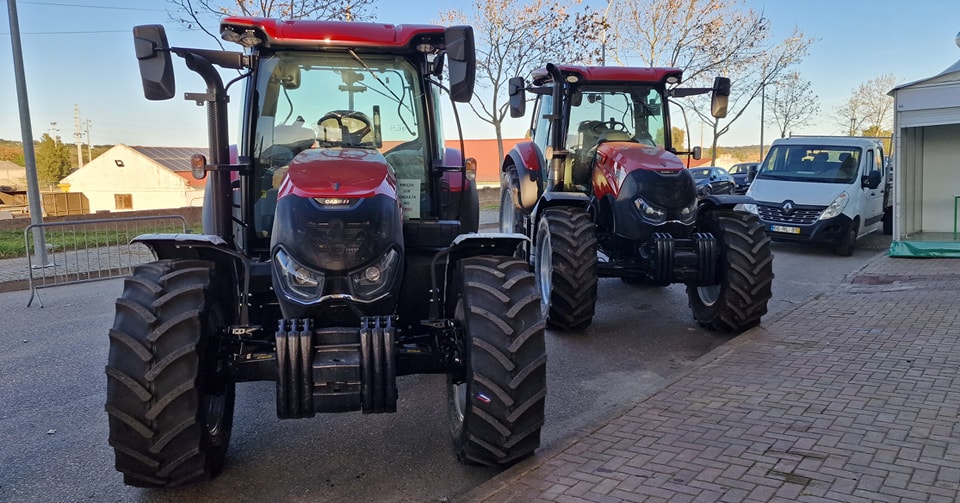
60 238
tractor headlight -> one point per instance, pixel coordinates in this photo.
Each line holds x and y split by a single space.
650 212
689 212
374 280
296 280
836 207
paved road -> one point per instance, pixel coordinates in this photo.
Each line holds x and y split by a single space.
53 428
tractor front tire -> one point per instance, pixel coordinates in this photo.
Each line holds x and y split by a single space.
170 399
745 273
565 263
497 405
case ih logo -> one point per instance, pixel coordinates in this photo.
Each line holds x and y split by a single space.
787 207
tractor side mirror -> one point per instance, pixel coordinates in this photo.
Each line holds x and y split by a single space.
697 153
720 97
156 68
461 52
518 97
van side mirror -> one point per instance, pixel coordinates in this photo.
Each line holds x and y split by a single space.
518 97
872 180
156 68
462 56
720 97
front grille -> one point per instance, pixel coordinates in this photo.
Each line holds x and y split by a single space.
799 216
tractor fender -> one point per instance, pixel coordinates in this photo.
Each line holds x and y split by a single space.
527 159
494 243
206 247
723 201
551 199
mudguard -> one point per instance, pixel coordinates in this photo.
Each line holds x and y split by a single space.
528 161
721 201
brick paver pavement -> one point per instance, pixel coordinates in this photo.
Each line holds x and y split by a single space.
852 397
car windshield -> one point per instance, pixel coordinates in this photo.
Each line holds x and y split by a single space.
615 113
811 163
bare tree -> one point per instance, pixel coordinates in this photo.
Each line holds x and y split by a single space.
202 14
793 103
869 107
515 37
706 38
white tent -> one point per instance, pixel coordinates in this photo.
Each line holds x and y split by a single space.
926 132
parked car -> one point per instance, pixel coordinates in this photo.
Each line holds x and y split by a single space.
712 180
743 173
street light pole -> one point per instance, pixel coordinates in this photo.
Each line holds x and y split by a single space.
26 136
763 92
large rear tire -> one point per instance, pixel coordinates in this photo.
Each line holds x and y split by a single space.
511 219
497 406
745 273
170 398
565 263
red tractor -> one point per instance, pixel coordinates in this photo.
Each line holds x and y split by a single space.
339 251
601 192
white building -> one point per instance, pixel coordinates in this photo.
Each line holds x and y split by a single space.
13 176
927 166
138 178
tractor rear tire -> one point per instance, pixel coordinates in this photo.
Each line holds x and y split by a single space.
565 264
511 219
170 399
497 405
745 273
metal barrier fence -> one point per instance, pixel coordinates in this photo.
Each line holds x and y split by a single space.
79 251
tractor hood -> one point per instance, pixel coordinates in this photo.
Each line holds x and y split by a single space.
354 173
630 156
615 161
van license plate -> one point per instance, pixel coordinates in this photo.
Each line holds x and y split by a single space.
785 229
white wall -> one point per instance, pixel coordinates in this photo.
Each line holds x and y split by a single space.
941 177
151 186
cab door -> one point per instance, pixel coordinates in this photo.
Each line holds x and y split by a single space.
873 197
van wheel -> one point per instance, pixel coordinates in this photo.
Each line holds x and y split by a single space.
849 242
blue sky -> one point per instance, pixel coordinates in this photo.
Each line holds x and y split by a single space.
80 52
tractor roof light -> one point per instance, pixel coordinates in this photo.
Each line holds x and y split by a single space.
250 39
426 47
230 36
572 79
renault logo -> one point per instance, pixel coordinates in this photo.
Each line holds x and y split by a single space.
787 207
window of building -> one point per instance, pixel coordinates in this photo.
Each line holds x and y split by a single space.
123 201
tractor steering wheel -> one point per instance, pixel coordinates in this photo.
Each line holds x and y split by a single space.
600 127
351 127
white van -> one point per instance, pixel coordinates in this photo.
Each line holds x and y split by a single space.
823 189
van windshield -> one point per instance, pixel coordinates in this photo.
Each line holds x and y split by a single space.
811 163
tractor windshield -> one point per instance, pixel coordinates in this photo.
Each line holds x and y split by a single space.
309 100
615 114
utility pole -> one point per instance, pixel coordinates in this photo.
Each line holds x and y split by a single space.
89 145
26 136
78 135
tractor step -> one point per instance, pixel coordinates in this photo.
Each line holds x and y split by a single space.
335 369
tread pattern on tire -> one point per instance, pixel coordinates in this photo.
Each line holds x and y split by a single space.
573 240
154 377
506 363
746 273
510 182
